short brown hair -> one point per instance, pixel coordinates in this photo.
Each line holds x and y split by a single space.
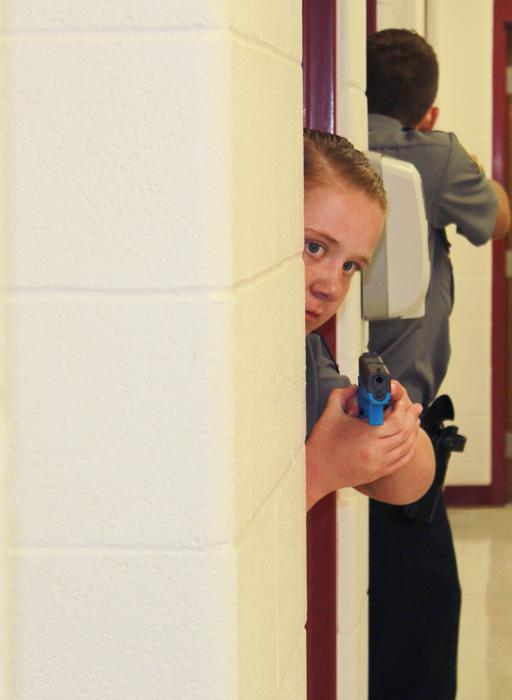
332 160
402 75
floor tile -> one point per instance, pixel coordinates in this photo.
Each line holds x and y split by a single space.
483 541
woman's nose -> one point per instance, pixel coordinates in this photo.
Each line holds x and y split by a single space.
328 286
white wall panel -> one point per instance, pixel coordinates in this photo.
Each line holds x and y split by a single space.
401 14
104 441
465 101
352 508
116 625
93 181
101 15
154 295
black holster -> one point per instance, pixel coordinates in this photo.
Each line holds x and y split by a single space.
445 440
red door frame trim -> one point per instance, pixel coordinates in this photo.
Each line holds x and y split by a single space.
496 492
371 16
319 70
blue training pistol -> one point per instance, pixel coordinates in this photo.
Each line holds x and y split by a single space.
374 390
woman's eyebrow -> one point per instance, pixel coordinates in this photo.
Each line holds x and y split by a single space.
364 260
324 235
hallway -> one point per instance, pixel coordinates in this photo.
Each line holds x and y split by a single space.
483 540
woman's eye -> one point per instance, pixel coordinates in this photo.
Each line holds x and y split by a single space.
350 267
314 248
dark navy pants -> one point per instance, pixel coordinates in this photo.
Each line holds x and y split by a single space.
414 606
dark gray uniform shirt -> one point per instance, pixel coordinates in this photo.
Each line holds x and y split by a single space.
322 376
417 351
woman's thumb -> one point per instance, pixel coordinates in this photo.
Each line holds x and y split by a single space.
340 398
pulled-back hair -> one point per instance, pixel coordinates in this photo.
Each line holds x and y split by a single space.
332 160
402 75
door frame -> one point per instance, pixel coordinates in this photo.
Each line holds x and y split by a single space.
319 75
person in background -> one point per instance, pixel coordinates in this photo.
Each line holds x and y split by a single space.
414 588
344 212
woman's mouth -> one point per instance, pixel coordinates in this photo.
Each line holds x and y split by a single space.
312 315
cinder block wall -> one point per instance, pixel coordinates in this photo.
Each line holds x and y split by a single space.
407 14
465 101
352 507
154 368
268 237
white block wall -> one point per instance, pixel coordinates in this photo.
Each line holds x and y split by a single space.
401 14
352 507
153 297
465 100
461 34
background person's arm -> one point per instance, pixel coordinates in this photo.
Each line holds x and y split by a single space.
502 225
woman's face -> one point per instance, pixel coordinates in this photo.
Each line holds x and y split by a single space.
341 230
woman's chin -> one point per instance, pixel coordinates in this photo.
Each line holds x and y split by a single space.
312 324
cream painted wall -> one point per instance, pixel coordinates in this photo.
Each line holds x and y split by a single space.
352 507
406 14
465 100
155 365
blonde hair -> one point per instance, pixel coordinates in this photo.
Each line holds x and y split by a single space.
332 160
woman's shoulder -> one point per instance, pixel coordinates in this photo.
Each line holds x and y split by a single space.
318 348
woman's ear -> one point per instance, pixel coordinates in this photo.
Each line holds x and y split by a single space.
429 120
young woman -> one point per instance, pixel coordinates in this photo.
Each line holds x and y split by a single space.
344 211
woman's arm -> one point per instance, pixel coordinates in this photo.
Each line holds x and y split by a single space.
393 462
408 483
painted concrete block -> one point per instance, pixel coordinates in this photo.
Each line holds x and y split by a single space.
295 33
257 606
105 139
407 14
121 423
352 526
353 659
351 332
242 17
116 625
288 182
352 59
464 121
293 686
478 432
269 378
265 105
98 15
291 561
354 122
463 472
125 380
471 345
468 68
275 23
470 292
252 116
469 389
470 261
274 26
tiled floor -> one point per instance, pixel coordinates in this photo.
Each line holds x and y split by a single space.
483 541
